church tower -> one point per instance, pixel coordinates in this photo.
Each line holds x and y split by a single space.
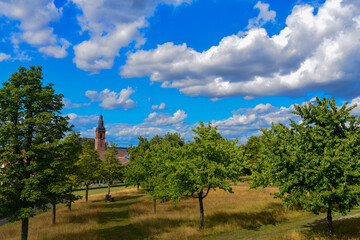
100 144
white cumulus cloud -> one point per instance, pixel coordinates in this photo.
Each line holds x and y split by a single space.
56 51
313 52
163 119
68 104
35 17
264 16
82 122
249 121
111 24
159 107
4 56
113 100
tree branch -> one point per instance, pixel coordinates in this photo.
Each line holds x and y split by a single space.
207 192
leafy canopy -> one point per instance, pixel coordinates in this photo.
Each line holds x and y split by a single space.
315 162
89 163
110 168
209 161
30 122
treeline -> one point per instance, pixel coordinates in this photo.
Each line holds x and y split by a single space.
167 168
314 162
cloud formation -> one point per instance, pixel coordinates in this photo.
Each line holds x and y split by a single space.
113 100
111 24
313 52
4 56
158 107
164 119
247 122
244 123
264 16
35 17
155 124
82 121
68 104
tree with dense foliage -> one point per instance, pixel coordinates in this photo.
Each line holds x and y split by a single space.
88 165
161 154
148 162
65 155
30 121
208 162
316 161
110 168
134 173
252 151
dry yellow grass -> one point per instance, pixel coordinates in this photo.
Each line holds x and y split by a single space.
243 214
345 229
223 212
80 223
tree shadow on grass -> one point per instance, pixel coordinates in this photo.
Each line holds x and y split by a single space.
273 214
88 234
82 218
115 222
118 199
343 229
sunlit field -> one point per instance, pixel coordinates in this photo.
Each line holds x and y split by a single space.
80 223
244 214
223 212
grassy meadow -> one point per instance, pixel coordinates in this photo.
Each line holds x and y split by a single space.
244 214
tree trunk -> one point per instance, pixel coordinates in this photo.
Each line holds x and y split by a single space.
329 221
138 186
54 214
201 210
154 205
87 192
69 203
109 189
24 228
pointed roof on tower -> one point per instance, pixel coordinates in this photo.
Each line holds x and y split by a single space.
100 126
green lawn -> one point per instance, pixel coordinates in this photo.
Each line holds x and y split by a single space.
101 189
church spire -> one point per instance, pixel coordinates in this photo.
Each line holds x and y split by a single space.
100 126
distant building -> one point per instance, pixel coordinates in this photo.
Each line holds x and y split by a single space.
101 145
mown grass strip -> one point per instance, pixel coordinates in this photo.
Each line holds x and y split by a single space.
114 220
99 190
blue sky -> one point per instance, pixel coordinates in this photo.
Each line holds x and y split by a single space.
157 66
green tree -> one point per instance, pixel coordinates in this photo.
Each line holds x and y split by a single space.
111 168
252 152
160 155
65 154
88 165
71 149
30 121
208 162
315 162
134 173
148 163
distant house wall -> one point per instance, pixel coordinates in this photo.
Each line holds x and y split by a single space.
122 156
